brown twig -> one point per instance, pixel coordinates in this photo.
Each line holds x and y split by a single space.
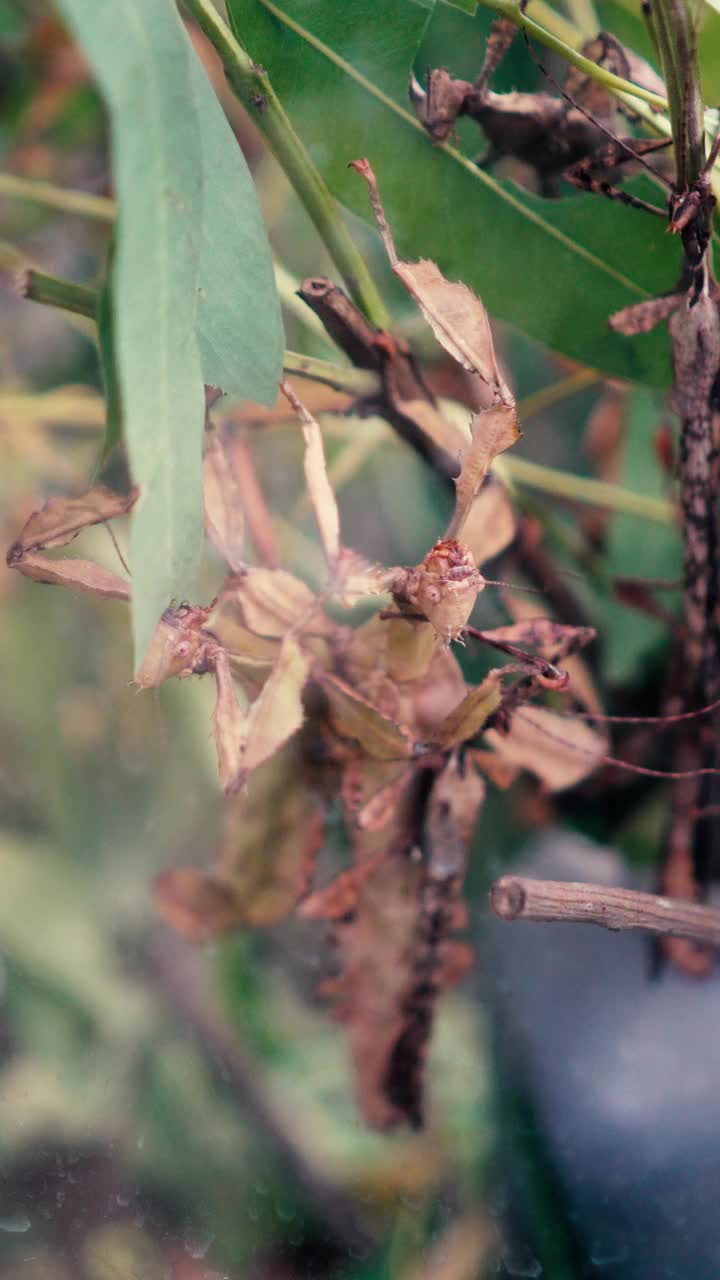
520 898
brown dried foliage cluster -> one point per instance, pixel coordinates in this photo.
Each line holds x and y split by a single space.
377 720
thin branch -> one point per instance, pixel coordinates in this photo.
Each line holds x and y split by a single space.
251 84
521 898
51 291
356 382
81 203
598 493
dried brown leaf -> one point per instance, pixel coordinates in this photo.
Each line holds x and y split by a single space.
229 725
224 518
558 751
271 600
377 812
320 492
641 317
62 519
457 317
354 717
340 897
271 838
195 904
468 718
493 431
550 640
76 575
278 712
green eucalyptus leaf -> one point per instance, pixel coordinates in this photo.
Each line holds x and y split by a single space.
193 295
635 548
553 268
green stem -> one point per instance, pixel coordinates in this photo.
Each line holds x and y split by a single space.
562 484
678 54
357 382
252 86
46 193
53 292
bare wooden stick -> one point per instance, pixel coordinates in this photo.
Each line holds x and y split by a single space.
520 898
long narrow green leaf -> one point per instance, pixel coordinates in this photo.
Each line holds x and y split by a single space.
193 292
553 268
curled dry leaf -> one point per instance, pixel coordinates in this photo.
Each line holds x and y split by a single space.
224 519
457 317
195 904
340 897
62 519
271 601
550 640
278 712
229 724
76 575
559 752
320 492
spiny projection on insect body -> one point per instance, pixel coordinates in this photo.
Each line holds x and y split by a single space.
573 136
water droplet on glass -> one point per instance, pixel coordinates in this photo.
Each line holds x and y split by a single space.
519 1261
198 1246
604 1253
15 1222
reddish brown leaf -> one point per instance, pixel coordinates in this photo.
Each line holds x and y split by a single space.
558 751
340 897
62 519
195 904
76 575
550 640
457 317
